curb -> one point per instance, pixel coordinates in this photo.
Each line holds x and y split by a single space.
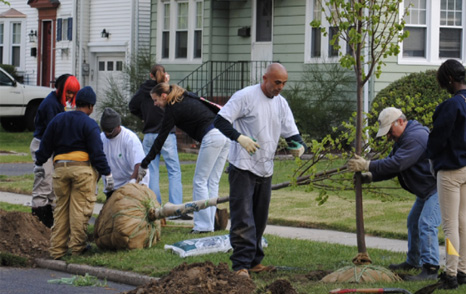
122 277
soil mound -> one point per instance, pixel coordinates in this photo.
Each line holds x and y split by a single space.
199 278
24 235
281 287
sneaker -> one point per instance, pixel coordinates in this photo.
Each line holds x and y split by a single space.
448 282
262 268
402 266
429 272
243 273
461 278
199 232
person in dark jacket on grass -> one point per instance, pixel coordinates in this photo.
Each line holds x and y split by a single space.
73 140
143 107
408 161
59 100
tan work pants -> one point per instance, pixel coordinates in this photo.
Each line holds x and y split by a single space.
75 188
42 192
451 186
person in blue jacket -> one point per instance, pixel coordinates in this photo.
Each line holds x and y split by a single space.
408 161
73 139
447 150
66 87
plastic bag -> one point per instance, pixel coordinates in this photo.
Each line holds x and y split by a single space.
204 245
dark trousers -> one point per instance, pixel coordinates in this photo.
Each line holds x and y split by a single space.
249 210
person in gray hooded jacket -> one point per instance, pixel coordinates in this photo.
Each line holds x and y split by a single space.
408 161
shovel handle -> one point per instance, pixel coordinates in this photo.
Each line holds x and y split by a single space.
370 290
367 290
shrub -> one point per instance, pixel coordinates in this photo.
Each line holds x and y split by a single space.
322 99
416 94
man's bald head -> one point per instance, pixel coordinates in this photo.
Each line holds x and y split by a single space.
274 80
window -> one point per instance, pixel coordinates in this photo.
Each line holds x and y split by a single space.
180 24
317 45
16 44
436 31
13 38
64 29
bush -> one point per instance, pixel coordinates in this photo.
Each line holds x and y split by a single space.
416 94
320 101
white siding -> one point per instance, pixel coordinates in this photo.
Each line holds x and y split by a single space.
29 68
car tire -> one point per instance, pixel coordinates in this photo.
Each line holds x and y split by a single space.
13 124
30 117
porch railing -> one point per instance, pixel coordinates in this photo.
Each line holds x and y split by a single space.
218 80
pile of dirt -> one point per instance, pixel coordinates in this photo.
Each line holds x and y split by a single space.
22 234
200 278
281 287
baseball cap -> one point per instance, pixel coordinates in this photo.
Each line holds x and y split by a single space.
386 118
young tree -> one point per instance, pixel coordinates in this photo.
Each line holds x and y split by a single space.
373 30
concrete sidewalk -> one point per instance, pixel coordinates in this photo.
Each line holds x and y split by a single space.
328 236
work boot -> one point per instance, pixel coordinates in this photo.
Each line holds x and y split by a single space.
402 266
242 273
429 272
262 268
461 278
448 282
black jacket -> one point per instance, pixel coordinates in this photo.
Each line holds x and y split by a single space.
143 107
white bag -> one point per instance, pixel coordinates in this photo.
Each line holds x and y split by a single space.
204 245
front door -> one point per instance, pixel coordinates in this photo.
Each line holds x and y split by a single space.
262 33
109 69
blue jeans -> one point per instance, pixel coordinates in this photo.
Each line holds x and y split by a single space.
249 210
209 168
170 155
423 221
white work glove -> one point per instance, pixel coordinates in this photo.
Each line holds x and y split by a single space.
296 150
249 144
109 183
132 181
39 171
358 164
431 167
141 173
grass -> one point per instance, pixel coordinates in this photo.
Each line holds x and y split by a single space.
294 206
295 260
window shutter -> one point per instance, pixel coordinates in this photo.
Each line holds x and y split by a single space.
59 29
70 28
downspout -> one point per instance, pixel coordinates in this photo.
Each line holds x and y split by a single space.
76 61
211 11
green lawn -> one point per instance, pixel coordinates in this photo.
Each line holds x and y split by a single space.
294 206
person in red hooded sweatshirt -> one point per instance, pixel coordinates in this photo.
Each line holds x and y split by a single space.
60 100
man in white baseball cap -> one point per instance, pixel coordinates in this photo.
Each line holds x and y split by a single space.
408 161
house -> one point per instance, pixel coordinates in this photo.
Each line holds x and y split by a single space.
90 39
190 35
204 43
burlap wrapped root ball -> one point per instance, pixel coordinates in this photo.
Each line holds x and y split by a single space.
123 222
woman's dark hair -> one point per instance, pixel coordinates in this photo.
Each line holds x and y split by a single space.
158 71
450 69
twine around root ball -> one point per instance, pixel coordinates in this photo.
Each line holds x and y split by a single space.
361 274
